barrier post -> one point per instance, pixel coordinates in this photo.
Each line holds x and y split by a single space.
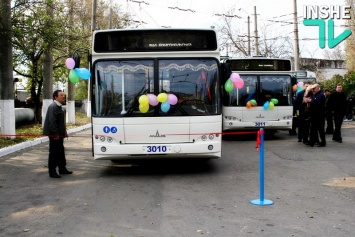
261 201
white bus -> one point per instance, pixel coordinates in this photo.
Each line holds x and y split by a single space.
265 97
155 94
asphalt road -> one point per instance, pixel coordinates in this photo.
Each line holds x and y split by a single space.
312 189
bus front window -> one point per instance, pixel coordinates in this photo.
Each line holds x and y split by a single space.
119 84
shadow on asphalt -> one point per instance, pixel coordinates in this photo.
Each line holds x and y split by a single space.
160 167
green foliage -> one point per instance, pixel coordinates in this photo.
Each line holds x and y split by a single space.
348 83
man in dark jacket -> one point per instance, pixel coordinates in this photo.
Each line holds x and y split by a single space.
317 109
54 128
337 104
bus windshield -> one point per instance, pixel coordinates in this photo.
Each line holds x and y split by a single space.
119 84
261 88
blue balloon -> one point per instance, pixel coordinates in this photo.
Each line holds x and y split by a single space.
266 105
83 73
165 106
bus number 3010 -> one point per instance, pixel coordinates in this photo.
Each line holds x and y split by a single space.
156 149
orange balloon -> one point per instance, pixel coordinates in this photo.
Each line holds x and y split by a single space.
248 105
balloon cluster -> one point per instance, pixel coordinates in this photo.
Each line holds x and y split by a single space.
298 87
234 81
251 103
76 73
150 99
270 104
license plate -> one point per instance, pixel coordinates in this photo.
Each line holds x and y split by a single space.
156 149
260 124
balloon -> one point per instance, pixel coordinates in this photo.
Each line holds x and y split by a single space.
165 106
234 77
266 105
248 105
153 101
83 73
143 100
275 101
300 84
239 84
271 105
70 63
256 105
172 99
228 86
162 97
294 88
253 102
144 108
73 77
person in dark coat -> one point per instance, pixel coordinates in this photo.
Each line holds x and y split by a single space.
328 114
300 107
54 128
317 109
337 103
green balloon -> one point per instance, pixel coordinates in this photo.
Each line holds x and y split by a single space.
228 86
253 102
73 77
275 101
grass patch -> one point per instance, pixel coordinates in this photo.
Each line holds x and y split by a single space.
32 131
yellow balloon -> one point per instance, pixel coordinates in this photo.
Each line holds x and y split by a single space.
143 100
162 97
144 108
271 105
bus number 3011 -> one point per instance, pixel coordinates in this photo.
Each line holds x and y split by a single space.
156 149
259 124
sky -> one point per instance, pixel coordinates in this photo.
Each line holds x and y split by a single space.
275 14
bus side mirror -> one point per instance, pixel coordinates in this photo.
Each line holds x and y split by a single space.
77 61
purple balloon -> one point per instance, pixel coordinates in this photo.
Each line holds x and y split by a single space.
70 63
234 77
153 101
172 99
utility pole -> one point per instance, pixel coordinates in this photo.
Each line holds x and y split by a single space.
249 53
295 24
256 33
70 107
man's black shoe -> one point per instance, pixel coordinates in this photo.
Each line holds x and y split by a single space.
65 172
321 145
55 175
299 140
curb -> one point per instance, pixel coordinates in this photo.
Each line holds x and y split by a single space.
11 149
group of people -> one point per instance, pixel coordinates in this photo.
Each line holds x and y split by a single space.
313 108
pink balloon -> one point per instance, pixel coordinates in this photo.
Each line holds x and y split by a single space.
153 101
70 63
239 84
234 77
172 99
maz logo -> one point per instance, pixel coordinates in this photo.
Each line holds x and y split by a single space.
260 116
157 135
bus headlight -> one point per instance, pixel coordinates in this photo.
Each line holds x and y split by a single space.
211 136
102 138
204 138
103 149
109 139
210 147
